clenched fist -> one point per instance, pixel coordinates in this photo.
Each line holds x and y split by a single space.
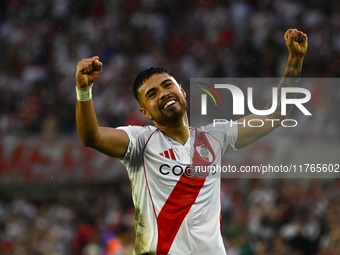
88 70
297 42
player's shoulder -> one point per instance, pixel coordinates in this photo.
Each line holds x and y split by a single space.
138 127
211 127
137 130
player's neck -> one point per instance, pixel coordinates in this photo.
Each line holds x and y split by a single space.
179 132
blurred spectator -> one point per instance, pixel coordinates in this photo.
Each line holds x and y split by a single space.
41 43
85 224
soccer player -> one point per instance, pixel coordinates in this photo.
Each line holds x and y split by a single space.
175 213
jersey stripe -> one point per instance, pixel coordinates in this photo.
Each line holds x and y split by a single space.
172 154
166 154
175 209
178 204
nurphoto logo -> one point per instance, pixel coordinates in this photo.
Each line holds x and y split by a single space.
238 106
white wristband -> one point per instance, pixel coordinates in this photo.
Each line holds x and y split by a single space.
84 94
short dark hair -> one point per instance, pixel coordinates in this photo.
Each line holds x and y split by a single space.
146 74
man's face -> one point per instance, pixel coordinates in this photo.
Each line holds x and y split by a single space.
162 100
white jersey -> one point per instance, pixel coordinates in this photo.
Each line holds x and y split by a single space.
175 212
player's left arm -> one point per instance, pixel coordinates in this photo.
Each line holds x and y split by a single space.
297 43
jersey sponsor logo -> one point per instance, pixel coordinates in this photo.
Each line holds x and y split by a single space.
188 171
176 170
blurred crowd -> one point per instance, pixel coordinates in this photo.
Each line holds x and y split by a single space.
258 218
41 43
281 218
86 220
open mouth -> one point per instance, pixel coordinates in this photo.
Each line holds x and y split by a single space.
168 104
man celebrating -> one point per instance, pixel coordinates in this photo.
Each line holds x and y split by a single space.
175 212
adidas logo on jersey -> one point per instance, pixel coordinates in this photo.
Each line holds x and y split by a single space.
168 154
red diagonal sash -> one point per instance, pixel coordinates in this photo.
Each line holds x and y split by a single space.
178 204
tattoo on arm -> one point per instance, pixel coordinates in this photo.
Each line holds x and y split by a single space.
290 78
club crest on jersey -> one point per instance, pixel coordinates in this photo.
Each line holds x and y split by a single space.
204 153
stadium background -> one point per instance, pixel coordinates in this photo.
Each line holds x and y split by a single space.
59 198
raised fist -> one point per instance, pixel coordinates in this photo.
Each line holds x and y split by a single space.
88 70
297 42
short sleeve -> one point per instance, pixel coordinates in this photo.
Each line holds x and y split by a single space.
138 136
226 133
132 132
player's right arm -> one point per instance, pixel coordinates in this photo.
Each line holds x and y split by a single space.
111 141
